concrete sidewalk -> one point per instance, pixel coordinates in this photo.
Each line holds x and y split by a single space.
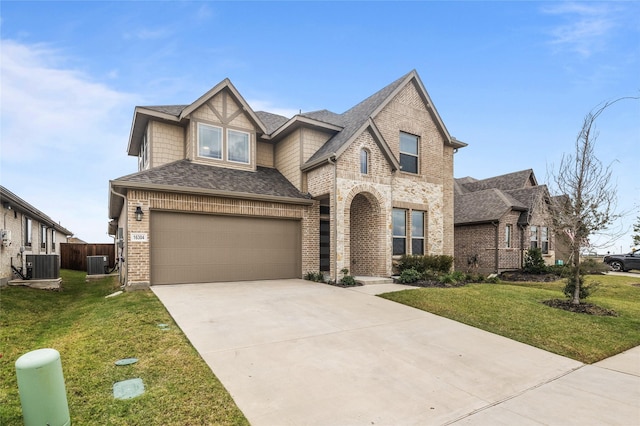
292 352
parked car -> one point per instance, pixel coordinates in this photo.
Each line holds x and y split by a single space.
623 262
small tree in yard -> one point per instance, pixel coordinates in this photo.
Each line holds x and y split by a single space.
587 196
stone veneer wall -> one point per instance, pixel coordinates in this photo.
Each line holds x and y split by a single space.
138 253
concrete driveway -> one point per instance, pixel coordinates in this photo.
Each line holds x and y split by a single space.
292 352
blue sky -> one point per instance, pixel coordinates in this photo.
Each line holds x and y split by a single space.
512 79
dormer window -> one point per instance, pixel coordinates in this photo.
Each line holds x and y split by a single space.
209 141
408 153
364 161
230 145
238 146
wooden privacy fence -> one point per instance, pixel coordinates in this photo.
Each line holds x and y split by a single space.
74 256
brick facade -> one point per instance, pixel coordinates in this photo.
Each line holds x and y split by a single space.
360 204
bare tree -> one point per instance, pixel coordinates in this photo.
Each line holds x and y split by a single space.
585 201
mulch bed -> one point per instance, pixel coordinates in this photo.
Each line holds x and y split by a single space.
433 284
344 285
582 308
523 276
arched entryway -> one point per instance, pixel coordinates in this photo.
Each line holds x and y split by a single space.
366 236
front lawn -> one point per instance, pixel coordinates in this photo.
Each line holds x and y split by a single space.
515 310
91 333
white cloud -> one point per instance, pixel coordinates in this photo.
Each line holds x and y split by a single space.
63 136
48 108
586 26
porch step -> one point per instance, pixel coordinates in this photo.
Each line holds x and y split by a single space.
373 280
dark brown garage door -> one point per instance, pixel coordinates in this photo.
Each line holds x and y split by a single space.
195 248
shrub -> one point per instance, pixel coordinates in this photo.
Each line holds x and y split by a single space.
586 290
409 276
314 276
593 267
533 262
438 263
347 279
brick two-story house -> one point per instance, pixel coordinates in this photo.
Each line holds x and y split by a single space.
227 193
497 219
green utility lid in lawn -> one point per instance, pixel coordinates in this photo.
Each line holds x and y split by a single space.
128 389
126 361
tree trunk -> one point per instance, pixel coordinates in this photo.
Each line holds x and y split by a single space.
576 276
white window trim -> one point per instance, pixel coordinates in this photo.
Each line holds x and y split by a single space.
222 144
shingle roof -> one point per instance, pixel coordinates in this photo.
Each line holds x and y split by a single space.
186 174
483 206
509 181
351 120
271 121
174 110
487 200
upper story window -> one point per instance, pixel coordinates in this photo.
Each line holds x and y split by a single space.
232 145
238 146
364 161
507 236
209 141
143 157
27 231
408 153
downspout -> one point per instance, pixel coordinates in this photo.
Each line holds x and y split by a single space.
497 245
334 237
119 255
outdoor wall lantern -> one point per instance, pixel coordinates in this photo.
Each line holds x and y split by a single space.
139 213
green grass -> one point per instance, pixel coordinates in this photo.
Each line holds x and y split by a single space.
91 333
514 310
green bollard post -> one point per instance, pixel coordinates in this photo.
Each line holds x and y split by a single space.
41 386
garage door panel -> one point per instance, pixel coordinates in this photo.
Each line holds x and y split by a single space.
187 248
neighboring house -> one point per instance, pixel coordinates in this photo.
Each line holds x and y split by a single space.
498 219
226 193
25 231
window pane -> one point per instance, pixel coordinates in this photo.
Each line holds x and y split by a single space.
408 144
27 232
417 224
364 162
507 236
399 223
238 146
408 163
399 246
417 246
209 141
